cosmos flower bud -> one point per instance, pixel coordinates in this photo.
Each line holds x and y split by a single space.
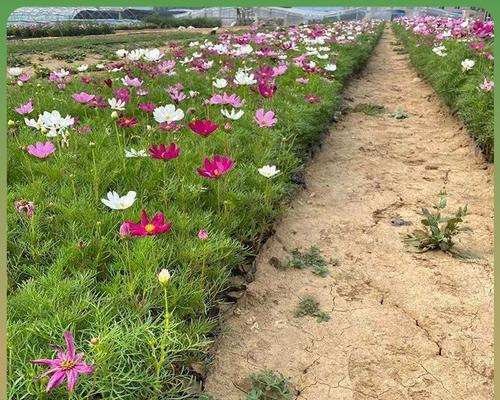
114 115
11 123
94 341
125 229
164 276
202 234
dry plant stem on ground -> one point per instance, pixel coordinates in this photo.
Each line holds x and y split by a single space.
403 325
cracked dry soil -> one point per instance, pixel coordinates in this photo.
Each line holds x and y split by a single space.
403 325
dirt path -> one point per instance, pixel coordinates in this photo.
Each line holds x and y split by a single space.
403 326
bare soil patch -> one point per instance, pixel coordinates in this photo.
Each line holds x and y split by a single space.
402 325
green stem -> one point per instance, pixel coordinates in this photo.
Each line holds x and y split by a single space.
96 183
163 346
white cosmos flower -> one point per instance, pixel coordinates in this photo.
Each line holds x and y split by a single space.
242 79
135 55
152 54
83 68
54 123
269 171
322 56
467 64
116 104
121 53
15 71
440 51
167 113
219 83
132 153
331 67
62 73
117 202
100 66
234 115
186 60
197 54
193 44
193 93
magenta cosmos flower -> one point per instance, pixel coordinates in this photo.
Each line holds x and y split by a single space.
267 89
24 109
203 128
265 119
202 234
41 150
216 168
162 153
67 365
311 99
155 226
82 98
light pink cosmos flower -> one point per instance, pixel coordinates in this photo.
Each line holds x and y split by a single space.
303 81
265 119
487 85
41 150
24 109
83 98
223 99
67 365
202 234
134 82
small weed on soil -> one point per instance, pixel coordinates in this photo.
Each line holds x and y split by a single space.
309 306
399 115
313 259
270 386
370 109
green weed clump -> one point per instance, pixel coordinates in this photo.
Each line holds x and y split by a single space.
309 306
439 231
270 386
311 258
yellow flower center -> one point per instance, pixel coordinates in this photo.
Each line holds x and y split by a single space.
149 228
67 364
122 204
216 172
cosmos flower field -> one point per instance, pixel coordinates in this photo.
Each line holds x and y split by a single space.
137 187
456 57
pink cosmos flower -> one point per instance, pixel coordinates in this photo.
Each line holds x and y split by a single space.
142 92
177 96
122 94
162 153
487 85
83 98
98 103
21 79
311 99
279 70
148 107
265 119
155 226
203 128
85 79
24 109
41 150
223 99
303 81
126 122
216 168
202 234
67 365
171 126
25 207
108 82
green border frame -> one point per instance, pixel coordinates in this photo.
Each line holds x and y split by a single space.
7 9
